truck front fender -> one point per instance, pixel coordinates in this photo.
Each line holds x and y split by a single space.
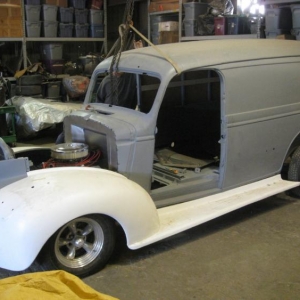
35 207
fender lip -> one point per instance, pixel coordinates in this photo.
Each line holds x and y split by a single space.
35 207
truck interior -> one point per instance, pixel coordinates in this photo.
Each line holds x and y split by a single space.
188 131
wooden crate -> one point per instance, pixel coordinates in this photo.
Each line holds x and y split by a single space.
163 6
166 37
13 2
8 31
8 10
14 22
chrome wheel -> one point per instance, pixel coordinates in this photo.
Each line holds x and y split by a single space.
79 242
82 246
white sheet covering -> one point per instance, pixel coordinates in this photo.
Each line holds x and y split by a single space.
34 114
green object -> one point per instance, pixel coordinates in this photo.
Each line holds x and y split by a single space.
12 138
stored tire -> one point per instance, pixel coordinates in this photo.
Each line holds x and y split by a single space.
294 171
82 246
35 79
28 90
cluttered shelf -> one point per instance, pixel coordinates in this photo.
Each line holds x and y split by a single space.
181 21
70 39
215 37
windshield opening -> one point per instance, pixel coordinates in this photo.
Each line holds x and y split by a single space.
125 89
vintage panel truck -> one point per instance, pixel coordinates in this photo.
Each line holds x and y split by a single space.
213 127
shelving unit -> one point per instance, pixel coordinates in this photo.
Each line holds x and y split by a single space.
195 38
25 40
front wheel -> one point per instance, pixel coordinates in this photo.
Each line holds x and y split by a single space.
294 171
82 246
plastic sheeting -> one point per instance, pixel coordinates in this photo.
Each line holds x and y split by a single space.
50 285
34 114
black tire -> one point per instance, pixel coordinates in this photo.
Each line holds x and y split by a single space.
294 171
28 90
81 247
35 79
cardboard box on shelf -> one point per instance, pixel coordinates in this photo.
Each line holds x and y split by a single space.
163 6
166 37
14 22
9 10
95 4
168 26
286 37
61 3
13 2
8 31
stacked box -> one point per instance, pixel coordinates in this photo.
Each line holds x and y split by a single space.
96 17
7 10
52 51
163 6
168 32
66 29
33 17
53 90
60 3
33 2
168 26
278 21
220 25
81 16
81 30
32 12
296 20
97 31
51 54
66 15
7 31
12 2
166 37
33 29
154 24
79 4
95 4
50 24
11 27
50 12
190 27
66 18
192 12
237 25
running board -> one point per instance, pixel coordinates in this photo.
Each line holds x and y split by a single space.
183 216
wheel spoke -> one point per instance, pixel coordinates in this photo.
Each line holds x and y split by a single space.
87 230
62 242
71 253
72 227
88 247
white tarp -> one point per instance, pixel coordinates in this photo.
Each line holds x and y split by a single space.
34 114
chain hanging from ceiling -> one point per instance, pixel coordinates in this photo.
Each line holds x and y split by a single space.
123 43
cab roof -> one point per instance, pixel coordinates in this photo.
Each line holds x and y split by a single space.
189 55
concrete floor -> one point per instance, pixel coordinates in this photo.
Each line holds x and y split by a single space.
252 253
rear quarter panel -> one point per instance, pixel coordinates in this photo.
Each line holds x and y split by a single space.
262 116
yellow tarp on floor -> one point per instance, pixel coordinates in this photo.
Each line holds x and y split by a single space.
48 285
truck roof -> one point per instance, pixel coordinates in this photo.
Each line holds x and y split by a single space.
189 55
